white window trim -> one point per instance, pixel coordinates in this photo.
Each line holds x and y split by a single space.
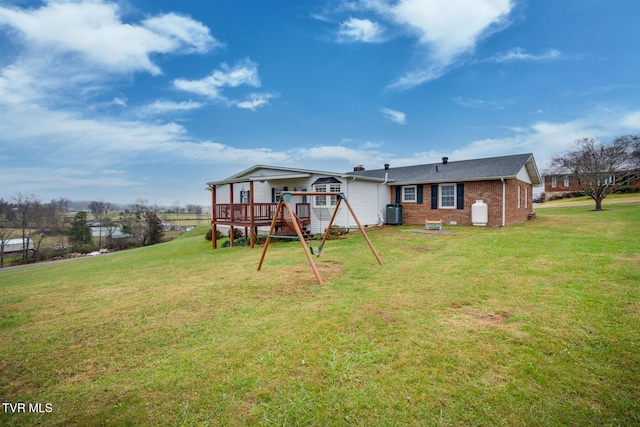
322 188
519 197
554 182
566 182
415 194
455 196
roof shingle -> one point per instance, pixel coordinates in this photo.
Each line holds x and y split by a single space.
454 171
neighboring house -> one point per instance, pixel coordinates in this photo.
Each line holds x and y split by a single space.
17 245
561 184
444 191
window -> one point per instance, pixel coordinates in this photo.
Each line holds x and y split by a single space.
334 188
245 196
566 181
447 195
554 182
320 200
518 197
325 201
526 197
409 193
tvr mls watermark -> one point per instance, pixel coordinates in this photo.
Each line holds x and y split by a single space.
27 408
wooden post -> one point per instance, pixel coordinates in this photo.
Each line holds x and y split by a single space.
273 226
214 227
231 229
251 216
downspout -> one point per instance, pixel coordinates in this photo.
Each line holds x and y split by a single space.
381 216
504 202
346 193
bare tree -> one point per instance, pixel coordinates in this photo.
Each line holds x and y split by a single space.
198 210
59 207
176 208
26 208
601 168
100 210
6 230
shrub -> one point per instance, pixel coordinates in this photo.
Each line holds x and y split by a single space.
626 189
237 233
577 193
237 242
209 234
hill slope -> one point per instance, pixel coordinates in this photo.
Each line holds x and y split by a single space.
534 324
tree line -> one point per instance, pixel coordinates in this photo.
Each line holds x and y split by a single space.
29 220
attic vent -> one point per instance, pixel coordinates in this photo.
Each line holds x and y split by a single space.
445 160
358 168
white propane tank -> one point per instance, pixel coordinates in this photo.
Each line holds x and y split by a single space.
479 214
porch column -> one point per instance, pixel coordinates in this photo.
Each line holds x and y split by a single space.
231 230
214 227
251 215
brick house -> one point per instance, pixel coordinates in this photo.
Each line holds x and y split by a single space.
561 184
447 190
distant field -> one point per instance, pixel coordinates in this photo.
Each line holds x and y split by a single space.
535 324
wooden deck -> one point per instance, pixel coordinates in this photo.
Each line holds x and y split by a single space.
239 214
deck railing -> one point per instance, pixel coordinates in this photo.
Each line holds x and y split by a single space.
262 212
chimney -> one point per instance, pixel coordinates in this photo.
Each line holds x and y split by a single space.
386 166
445 160
358 168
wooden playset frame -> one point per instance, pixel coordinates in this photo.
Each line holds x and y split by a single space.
283 203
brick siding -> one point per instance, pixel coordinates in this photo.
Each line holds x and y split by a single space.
490 192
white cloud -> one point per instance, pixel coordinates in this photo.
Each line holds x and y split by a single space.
445 30
359 30
119 102
448 29
94 32
184 32
166 107
395 116
243 73
480 104
519 54
255 100
631 121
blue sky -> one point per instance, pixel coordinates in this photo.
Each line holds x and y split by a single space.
118 100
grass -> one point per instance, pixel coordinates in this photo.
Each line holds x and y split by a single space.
533 324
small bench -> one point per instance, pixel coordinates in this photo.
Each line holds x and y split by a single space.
433 225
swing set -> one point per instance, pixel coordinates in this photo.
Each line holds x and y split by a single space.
283 203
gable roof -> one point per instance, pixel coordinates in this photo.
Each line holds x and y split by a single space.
492 168
273 173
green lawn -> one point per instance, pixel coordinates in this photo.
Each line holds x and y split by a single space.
536 324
